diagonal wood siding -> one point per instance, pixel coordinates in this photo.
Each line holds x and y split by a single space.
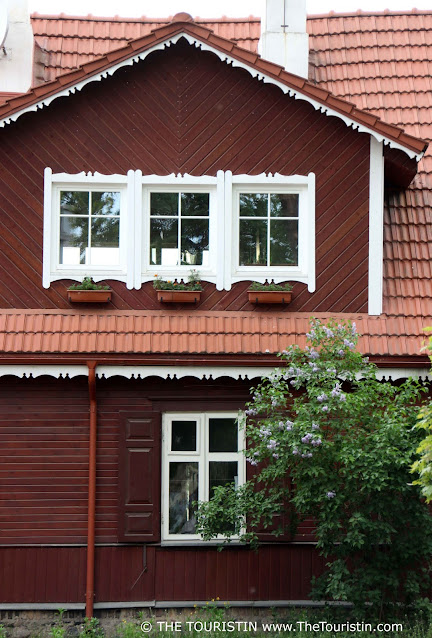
182 110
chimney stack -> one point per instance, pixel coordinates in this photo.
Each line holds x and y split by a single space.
16 53
284 39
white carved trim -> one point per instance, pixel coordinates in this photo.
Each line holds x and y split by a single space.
224 57
376 227
128 228
179 372
33 371
422 373
393 374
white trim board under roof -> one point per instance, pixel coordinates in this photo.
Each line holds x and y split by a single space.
422 373
224 57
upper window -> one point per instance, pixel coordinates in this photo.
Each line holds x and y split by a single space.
132 227
268 229
89 228
200 452
179 229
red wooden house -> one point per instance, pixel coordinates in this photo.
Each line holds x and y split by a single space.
153 147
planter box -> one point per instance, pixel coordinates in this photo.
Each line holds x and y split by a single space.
89 296
179 296
269 296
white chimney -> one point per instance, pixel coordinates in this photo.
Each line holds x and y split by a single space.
283 35
16 53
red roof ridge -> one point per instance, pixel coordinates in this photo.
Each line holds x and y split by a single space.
360 12
92 18
277 72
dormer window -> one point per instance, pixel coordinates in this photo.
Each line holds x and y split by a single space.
132 227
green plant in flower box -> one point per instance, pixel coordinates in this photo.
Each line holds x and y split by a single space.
193 283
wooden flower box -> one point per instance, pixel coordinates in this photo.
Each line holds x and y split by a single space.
179 296
269 296
89 296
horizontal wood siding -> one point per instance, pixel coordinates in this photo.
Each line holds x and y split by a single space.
57 574
182 110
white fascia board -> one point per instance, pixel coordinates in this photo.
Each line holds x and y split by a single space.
224 57
33 371
376 228
422 373
179 372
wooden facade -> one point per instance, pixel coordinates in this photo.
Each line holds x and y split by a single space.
182 110
43 509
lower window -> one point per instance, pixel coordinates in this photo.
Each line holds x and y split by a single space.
200 452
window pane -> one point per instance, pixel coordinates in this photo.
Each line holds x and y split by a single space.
105 203
74 202
253 242
105 241
194 241
284 243
164 204
221 473
223 435
284 205
183 436
183 491
163 242
195 204
253 204
73 240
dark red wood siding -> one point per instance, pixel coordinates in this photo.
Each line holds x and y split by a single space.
43 501
182 110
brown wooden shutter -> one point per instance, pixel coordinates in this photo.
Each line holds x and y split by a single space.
140 478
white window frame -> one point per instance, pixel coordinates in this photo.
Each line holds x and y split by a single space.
54 183
302 185
185 184
202 457
223 269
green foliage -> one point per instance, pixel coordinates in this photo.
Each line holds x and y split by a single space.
129 629
193 283
91 629
59 630
255 285
423 465
88 284
3 633
347 442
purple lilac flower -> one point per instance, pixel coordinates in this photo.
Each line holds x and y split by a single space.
348 344
322 397
313 354
331 370
331 494
325 408
328 332
306 455
353 328
295 451
342 397
341 353
315 426
250 412
306 438
316 442
272 444
275 456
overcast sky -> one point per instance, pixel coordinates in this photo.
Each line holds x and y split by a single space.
232 8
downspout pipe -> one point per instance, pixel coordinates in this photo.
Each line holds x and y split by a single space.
91 490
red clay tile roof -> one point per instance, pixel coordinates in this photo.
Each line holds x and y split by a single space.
202 333
72 41
382 63
182 25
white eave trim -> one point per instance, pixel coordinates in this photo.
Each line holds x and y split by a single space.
376 228
178 372
224 57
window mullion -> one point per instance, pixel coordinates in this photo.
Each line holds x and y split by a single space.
89 228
